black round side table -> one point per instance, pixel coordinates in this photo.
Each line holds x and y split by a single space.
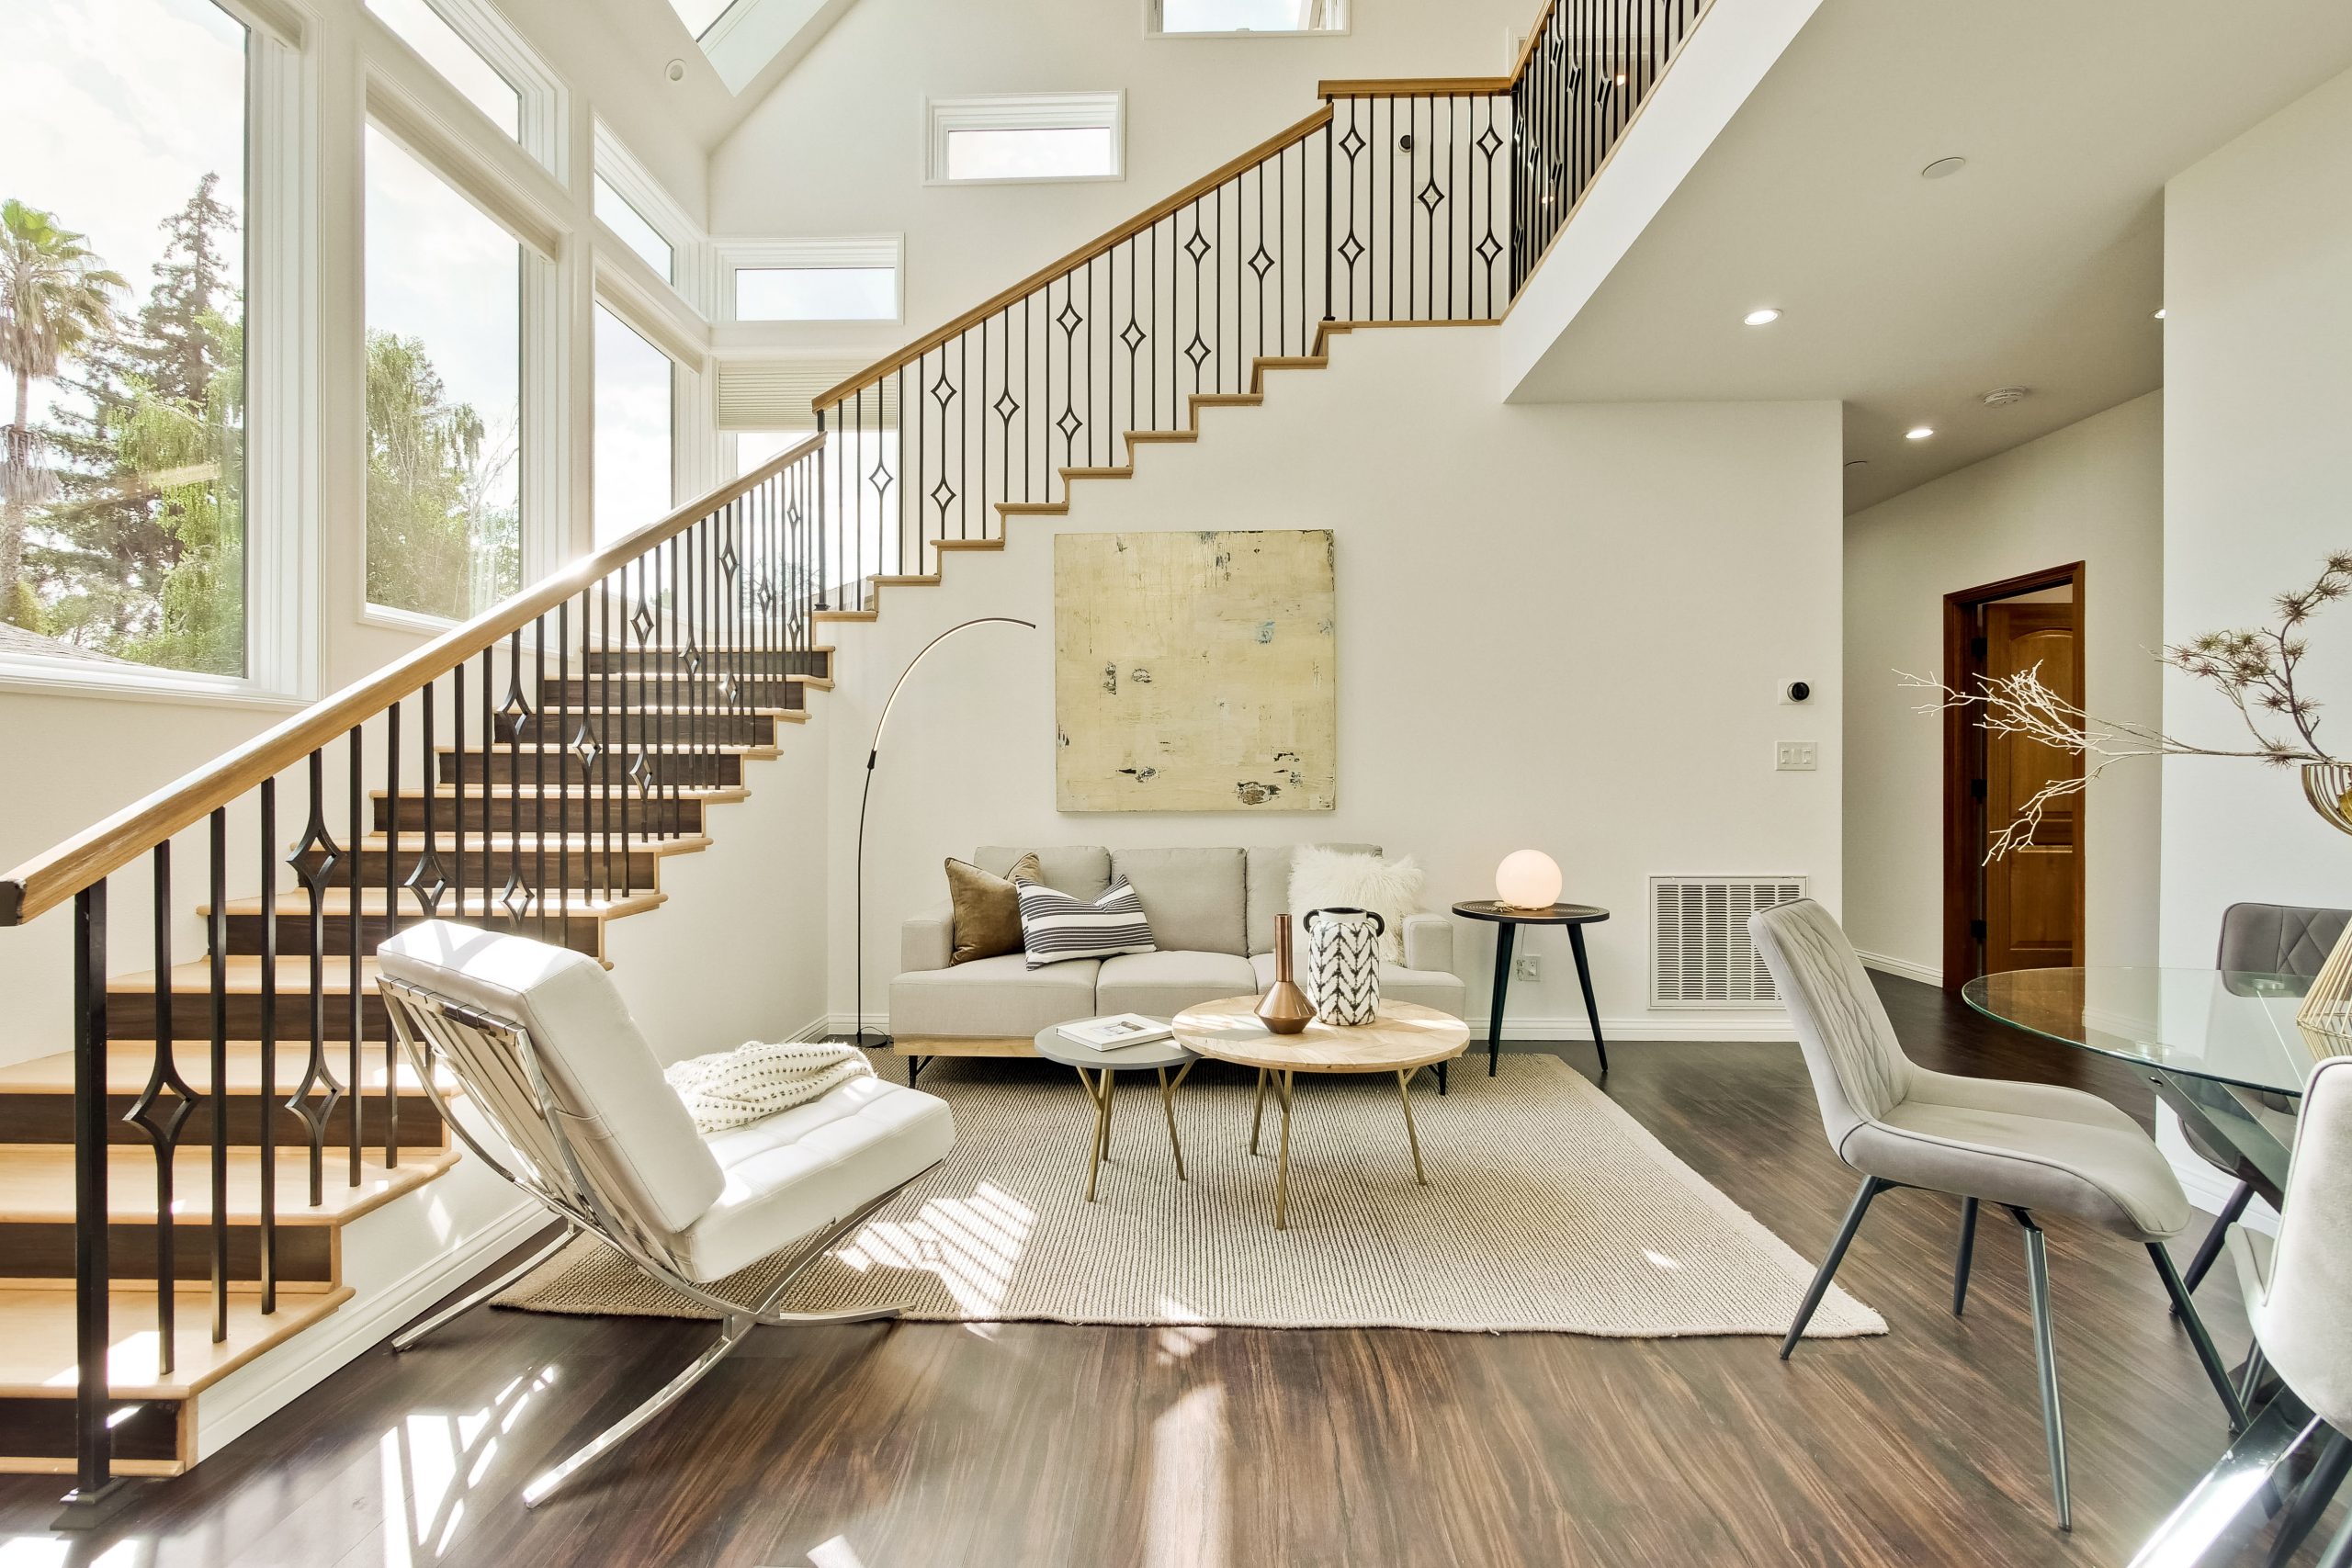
1508 920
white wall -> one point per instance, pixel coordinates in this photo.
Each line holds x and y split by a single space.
2092 492
830 153
2257 491
1559 627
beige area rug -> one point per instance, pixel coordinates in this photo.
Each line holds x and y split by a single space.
1548 1209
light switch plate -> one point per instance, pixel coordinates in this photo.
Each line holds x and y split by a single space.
1796 756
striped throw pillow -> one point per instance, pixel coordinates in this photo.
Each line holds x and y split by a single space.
1056 927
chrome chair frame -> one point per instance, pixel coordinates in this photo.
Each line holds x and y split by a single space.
428 1025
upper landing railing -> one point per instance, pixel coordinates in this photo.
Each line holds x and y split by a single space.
1415 199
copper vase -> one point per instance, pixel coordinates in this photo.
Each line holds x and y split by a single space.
1283 1009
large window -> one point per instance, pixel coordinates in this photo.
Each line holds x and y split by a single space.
425 30
122 157
613 210
1033 136
443 393
635 382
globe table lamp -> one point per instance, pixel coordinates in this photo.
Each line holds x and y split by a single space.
1528 879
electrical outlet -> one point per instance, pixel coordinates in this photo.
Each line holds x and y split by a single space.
1524 967
1796 756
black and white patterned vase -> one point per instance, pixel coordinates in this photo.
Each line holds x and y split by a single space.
1343 964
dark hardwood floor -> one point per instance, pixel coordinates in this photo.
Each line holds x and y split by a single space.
1035 1445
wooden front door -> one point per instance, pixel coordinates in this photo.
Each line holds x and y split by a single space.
2028 893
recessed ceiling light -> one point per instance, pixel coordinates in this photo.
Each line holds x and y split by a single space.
675 70
1763 318
2002 397
2160 315
1943 167
1919 433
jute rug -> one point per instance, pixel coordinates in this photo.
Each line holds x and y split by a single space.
1548 1209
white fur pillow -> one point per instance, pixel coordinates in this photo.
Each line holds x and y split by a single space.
1337 879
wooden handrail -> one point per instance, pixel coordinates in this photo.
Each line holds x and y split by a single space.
1416 87
48 880
1535 36
1086 252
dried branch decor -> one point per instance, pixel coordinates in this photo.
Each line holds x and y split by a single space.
2257 669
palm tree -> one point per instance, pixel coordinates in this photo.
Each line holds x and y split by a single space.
54 298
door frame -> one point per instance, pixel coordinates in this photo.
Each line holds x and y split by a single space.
1964 847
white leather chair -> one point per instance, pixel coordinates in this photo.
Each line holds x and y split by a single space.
549 1057
2299 1297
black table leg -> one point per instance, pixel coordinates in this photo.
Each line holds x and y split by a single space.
1584 978
1504 931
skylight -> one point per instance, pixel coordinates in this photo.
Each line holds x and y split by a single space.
1249 15
698 14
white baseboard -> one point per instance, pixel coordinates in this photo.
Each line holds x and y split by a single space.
241 1401
1886 963
1695 1026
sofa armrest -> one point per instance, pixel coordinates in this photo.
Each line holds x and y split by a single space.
928 941
1429 942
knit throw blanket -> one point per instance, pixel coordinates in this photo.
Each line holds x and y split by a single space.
728 1089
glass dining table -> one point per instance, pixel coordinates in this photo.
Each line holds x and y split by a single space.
2222 1048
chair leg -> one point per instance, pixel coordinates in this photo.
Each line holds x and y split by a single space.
2207 1356
2339 1551
2210 1249
2310 1499
409 1337
731 1333
1871 1186
2250 1379
2045 1357
2225 1509
1966 1255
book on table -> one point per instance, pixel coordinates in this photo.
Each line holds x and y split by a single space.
1117 1032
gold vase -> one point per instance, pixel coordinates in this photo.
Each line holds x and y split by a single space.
1283 1009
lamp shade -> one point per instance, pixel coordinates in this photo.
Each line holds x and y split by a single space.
1528 879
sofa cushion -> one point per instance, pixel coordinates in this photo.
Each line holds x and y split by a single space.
1057 927
992 998
1438 988
1324 878
1193 898
1082 871
1164 984
1270 889
988 909
802 1169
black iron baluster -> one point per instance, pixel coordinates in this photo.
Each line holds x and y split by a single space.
516 898
491 902
539 793
265 1106
459 824
392 915
161 1120
356 834
93 1437
315 861
561 734
217 1063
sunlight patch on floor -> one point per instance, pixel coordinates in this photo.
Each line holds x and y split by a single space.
972 1244
431 1460
1184 1519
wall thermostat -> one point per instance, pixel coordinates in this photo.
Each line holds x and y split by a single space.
1796 691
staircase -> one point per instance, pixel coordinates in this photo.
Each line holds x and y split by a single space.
176 1183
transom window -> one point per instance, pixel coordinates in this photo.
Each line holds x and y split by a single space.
1196 17
613 210
813 280
1038 136
122 288
423 30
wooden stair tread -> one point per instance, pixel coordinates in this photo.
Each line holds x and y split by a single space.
36 1358
656 748
509 838
128 1061
36 1183
709 795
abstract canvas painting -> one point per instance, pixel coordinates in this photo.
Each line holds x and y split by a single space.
1195 672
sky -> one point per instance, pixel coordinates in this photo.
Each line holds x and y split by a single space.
111 110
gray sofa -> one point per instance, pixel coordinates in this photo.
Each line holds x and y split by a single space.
1212 912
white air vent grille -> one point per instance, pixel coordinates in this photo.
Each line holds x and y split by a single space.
1699 955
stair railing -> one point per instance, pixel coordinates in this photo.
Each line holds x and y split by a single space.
1405 200
529 759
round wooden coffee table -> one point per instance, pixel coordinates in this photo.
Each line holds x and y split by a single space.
1403 1039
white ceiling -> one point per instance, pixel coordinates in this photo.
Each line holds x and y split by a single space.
2040 264
763 42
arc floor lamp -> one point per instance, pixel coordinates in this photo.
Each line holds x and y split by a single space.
873 753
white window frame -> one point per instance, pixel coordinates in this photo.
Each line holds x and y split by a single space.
860 251
1025 111
645 318
544 349
1155 12
281 428
693 277
543 115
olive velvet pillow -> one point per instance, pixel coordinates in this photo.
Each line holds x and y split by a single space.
988 909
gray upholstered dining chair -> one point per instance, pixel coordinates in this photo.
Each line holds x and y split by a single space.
2025 1147
548 1057
2259 939
2299 1298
